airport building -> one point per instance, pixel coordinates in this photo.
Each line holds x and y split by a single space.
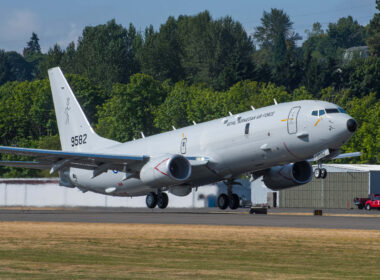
47 193
343 183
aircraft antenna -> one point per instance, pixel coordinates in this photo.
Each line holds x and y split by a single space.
253 108
275 101
230 113
194 123
142 134
174 127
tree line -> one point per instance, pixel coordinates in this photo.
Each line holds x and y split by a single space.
193 68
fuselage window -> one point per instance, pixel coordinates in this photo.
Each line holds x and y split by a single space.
321 112
246 131
314 113
332 111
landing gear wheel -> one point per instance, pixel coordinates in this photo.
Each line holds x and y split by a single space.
234 201
368 207
317 173
223 201
162 200
151 200
323 173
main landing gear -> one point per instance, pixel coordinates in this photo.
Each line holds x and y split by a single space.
161 200
320 172
231 199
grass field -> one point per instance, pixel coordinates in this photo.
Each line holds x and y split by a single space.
129 251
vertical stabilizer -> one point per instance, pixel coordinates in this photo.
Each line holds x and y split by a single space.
75 131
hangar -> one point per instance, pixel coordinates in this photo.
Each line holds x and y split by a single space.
343 183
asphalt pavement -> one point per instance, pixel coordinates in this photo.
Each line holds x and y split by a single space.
298 218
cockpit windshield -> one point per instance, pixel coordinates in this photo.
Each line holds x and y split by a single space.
328 111
342 110
332 110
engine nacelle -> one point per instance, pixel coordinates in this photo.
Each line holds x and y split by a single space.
180 190
287 176
166 170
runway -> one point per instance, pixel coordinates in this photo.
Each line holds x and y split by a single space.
298 218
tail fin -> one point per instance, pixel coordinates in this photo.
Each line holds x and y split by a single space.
75 132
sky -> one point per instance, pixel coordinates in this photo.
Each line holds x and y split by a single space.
63 21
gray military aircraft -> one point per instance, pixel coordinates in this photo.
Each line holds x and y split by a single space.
275 142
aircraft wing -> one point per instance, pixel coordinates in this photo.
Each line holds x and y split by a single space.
326 155
55 160
347 155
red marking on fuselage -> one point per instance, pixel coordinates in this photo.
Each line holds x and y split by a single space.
286 147
156 167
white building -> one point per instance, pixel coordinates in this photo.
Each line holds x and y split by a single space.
47 193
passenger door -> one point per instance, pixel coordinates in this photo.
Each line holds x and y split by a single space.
183 146
292 119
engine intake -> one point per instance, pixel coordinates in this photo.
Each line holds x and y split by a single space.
167 170
287 176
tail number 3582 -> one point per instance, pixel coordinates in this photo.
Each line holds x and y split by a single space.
78 140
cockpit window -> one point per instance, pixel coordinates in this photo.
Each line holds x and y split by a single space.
332 111
342 110
314 113
321 112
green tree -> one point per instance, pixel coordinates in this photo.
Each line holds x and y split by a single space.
366 111
20 69
105 53
32 54
131 109
33 48
68 61
5 74
364 76
373 40
52 59
26 112
13 67
160 55
275 34
346 33
278 48
173 111
90 95
231 60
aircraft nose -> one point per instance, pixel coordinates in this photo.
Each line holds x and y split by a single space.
351 125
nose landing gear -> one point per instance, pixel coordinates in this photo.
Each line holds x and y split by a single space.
320 172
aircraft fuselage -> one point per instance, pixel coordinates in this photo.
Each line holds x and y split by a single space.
247 142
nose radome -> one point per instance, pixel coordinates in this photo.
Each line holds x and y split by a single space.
351 125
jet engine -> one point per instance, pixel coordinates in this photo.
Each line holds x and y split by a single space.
166 170
286 176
